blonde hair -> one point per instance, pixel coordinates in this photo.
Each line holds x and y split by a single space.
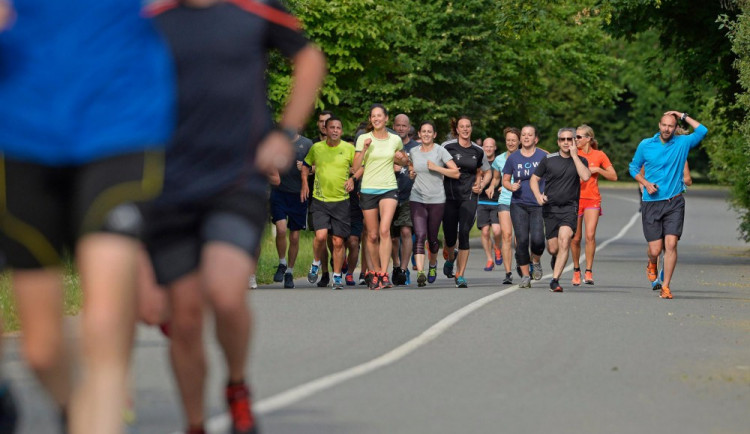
590 133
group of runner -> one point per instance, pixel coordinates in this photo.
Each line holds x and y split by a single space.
402 187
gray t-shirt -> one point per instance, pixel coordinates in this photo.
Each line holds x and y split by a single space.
428 185
291 180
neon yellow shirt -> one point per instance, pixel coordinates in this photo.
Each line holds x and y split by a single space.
332 164
378 161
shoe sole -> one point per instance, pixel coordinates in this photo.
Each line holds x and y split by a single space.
656 286
588 282
536 275
312 278
558 289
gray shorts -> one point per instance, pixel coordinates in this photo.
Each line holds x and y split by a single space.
663 217
333 216
487 215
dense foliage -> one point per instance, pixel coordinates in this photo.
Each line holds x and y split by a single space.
613 64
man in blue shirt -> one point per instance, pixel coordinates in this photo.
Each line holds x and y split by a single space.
663 158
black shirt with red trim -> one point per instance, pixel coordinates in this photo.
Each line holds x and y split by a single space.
221 55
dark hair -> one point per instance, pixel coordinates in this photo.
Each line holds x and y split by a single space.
454 124
512 130
430 123
536 132
333 118
373 107
325 112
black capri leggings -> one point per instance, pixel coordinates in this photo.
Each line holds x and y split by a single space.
458 219
426 219
528 226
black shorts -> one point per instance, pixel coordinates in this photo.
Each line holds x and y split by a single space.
663 217
356 218
176 234
487 215
333 216
46 209
287 206
556 216
371 201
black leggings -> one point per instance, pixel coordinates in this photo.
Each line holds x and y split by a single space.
458 219
426 219
528 226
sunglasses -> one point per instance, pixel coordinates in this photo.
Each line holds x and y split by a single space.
564 139
581 137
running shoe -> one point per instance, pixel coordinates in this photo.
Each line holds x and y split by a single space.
588 277
350 280
239 403
498 257
576 277
461 282
536 271
656 285
489 266
253 282
448 269
312 275
372 280
665 293
525 282
279 275
421 279
651 271
344 268
661 274
8 409
362 279
508 279
432 274
397 276
325 280
384 282
554 286
338 282
408 277
288 280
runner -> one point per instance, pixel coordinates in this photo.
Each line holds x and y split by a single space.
525 211
378 150
209 220
512 141
325 277
401 229
461 197
288 213
562 172
590 205
428 165
330 205
487 213
82 132
663 158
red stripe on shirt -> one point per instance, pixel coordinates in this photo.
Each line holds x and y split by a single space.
268 13
157 7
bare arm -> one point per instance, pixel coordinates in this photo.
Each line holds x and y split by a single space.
451 170
359 156
608 173
305 191
508 186
534 184
686 178
583 170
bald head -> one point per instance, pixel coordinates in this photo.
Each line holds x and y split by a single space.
401 125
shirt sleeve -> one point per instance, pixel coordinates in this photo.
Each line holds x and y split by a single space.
605 163
697 135
541 169
444 154
284 32
637 162
485 166
309 160
508 167
360 143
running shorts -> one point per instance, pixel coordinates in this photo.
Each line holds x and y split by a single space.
584 204
663 217
333 216
287 206
557 216
487 215
371 201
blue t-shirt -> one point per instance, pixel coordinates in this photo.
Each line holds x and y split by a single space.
81 80
664 162
498 164
521 168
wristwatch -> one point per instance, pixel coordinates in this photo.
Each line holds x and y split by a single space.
684 115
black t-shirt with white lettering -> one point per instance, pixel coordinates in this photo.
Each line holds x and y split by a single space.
468 161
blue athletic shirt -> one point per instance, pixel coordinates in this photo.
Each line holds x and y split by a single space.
664 162
82 80
521 168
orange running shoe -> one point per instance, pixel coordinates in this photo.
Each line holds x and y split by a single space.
665 293
498 257
489 266
576 277
588 277
651 271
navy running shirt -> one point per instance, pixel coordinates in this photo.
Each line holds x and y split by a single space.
521 168
468 161
221 56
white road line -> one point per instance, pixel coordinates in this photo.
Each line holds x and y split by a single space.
221 422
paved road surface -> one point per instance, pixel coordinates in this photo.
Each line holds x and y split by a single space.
610 358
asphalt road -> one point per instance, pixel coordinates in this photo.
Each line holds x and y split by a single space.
611 358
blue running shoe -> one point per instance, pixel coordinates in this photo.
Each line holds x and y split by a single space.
432 274
338 282
408 277
461 282
448 269
312 275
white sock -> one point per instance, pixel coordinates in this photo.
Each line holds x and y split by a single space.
290 270
337 275
316 263
282 261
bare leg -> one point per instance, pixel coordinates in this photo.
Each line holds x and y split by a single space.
486 243
564 235
338 254
592 220
670 258
293 248
281 232
387 210
407 245
506 228
372 224
575 245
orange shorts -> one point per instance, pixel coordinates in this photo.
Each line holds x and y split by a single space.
584 204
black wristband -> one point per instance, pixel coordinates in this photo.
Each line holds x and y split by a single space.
289 132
